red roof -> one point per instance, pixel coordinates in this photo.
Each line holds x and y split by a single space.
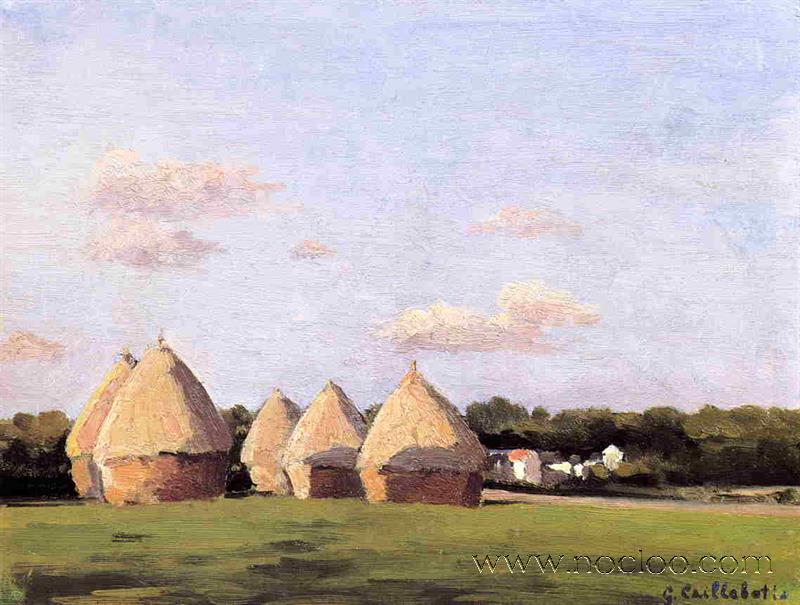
520 455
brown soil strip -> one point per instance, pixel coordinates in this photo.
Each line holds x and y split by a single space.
768 510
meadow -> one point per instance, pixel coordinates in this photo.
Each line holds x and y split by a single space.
282 550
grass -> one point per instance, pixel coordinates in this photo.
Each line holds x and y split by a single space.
265 550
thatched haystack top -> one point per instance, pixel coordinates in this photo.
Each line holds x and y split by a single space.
83 436
271 428
162 408
416 417
331 421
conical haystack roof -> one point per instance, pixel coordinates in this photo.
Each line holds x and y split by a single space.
416 417
331 421
162 408
266 442
83 436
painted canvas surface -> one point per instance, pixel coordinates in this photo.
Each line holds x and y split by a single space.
399 302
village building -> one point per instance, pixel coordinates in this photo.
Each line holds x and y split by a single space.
555 470
265 444
321 452
163 439
419 449
527 466
514 466
612 456
499 468
561 467
83 436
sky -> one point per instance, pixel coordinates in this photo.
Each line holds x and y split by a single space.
567 203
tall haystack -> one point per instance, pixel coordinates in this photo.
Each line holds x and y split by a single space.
321 453
83 436
163 439
419 449
263 449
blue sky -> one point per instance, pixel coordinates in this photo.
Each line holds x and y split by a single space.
667 131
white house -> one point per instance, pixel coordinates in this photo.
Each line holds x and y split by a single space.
562 467
527 466
612 456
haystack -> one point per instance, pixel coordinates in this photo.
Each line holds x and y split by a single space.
321 453
163 439
419 449
83 436
263 449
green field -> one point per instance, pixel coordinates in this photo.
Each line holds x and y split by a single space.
265 550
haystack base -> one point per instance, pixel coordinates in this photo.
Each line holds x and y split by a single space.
460 488
325 482
270 480
86 477
164 478
335 483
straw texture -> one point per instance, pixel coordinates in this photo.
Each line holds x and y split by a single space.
417 430
162 408
331 421
265 444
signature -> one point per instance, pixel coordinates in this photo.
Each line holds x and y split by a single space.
717 591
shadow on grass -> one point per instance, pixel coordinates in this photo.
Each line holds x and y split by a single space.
304 570
317 525
42 587
294 546
106 588
296 580
122 537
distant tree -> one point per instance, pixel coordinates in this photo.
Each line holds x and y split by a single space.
24 422
662 430
539 415
583 431
495 416
239 420
371 412
33 462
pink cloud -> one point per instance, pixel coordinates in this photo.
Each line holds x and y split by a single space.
147 244
26 346
172 190
527 224
311 249
527 309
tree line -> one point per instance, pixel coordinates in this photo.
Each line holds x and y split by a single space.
747 445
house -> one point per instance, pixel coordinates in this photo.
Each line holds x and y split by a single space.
553 467
526 465
499 468
612 456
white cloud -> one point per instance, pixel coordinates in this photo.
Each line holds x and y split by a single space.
26 346
148 245
123 184
527 309
527 224
310 249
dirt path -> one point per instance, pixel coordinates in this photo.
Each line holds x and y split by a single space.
771 510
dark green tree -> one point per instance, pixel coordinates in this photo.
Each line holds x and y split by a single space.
371 412
239 419
495 416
